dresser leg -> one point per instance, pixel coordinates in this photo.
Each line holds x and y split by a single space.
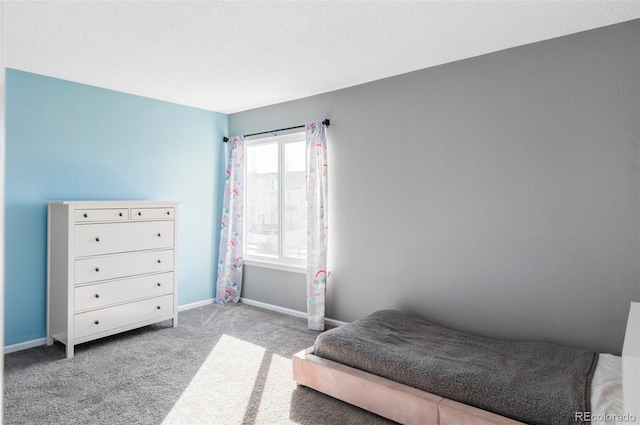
69 351
175 321
49 340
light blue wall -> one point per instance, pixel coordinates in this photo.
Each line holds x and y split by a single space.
72 141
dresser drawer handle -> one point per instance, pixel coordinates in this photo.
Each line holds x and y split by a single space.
97 295
158 284
159 235
159 261
97 239
97 322
139 212
85 215
120 214
158 307
168 212
97 269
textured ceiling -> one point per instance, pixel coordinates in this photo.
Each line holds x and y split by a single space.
229 56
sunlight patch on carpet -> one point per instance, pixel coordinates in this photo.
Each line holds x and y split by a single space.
222 388
278 382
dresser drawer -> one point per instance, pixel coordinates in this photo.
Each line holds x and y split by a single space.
122 265
106 319
105 214
101 295
152 213
97 239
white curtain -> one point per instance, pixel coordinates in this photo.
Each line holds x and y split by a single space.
230 253
317 224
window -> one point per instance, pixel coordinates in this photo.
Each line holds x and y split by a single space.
275 204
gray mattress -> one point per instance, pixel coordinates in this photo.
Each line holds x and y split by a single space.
532 382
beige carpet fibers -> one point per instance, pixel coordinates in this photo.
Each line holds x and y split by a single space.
226 364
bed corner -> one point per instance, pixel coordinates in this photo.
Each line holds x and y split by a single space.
386 398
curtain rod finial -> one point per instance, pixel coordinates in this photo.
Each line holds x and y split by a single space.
326 122
225 139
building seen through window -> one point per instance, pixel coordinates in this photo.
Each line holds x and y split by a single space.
276 205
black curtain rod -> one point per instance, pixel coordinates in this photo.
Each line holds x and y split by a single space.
326 122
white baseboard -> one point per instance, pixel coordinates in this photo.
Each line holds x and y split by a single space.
25 345
272 307
43 341
285 310
197 304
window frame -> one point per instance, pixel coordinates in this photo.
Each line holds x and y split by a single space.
281 262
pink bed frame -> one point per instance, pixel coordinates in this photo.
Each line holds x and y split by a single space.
398 402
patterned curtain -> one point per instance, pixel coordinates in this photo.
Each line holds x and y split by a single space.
230 253
317 224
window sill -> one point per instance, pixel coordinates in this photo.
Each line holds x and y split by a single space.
275 266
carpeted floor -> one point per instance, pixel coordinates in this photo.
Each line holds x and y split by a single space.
226 364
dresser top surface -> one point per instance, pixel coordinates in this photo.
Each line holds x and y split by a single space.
84 203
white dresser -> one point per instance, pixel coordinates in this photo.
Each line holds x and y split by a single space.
111 267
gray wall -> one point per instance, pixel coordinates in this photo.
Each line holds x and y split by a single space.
498 195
